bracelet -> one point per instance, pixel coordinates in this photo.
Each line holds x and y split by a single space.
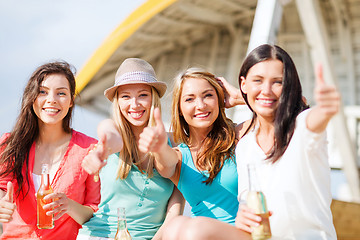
95 146
96 177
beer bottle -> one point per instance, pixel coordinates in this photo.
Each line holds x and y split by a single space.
256 201
44 221
122 232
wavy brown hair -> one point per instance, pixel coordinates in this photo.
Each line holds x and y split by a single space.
219 144
16 147
291 102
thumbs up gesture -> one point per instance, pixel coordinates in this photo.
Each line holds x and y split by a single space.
152 139
326 96
327 104
7 207
95 159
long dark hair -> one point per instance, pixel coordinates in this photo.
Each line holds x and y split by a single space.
219 144
291 101
16 147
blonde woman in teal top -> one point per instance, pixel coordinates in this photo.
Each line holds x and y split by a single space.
128 177
203 167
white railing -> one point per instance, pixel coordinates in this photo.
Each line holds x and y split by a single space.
352 114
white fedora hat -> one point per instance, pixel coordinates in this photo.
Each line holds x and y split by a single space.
132 71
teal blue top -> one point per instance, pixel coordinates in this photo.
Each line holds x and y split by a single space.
215 200
145 201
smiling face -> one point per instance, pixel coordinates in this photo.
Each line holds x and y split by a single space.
135 103
199 104
263 86
53 101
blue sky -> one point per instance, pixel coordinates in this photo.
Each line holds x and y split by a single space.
34 32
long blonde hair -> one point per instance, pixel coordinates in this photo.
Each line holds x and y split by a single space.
219 144
129 154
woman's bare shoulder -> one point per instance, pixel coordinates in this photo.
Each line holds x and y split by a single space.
241 128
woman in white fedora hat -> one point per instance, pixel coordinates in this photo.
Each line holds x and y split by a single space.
128 177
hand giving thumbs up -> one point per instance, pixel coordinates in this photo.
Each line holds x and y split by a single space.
7 207
153 138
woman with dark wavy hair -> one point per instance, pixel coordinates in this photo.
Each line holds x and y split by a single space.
42 135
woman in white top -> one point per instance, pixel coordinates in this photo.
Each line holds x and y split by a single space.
288 143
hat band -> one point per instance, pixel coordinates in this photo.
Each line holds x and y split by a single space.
136 76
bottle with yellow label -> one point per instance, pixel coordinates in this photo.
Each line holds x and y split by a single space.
122 231
256 200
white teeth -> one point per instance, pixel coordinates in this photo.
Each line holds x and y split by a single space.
136 114
266 101
51 110
202 115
